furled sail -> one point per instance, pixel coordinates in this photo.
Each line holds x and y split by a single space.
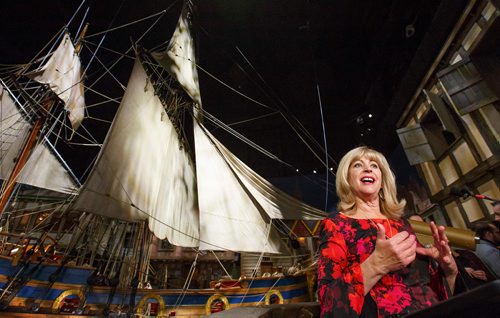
142 172
63 74
42 169
179 58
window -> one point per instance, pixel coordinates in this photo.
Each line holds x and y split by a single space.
477 138
489 188
488 11
471 36
472 209
465 159
455 216
431 177
448 170
491 115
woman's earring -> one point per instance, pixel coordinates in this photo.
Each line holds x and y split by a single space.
381 194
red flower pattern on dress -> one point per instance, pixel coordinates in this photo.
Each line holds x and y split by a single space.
396 300
345 244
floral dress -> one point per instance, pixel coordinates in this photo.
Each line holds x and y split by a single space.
345 243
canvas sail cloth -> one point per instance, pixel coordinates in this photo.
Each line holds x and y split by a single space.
236 205
180 59
235 214
142 172
228 219
276 203
42 169
63 74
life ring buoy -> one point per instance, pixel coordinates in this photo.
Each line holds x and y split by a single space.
217 297
276 293
143 303
56 305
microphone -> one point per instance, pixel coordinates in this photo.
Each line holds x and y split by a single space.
464 193
461 193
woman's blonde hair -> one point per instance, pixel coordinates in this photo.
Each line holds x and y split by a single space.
389 203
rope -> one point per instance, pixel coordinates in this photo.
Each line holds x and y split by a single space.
131 23
270 288
180 298
254 272
221 264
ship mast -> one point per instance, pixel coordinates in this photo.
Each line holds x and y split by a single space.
25 153
31 141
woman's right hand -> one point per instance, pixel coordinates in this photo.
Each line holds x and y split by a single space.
395 253
390 254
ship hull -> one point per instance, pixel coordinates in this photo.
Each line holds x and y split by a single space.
66 294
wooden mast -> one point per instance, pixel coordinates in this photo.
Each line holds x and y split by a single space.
30 142
23 158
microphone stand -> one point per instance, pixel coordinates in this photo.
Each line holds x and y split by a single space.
464 193
483 197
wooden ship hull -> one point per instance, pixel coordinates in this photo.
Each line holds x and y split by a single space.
70 293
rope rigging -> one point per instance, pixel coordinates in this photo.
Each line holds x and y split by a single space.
90 228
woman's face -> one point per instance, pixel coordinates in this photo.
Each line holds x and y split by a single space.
365 177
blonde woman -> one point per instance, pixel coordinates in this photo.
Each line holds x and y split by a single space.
370 264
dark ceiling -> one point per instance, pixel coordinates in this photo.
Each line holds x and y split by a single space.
329 64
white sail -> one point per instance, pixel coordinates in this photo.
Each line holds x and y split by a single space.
42 169
179 59
236 205
230 218
276 203
63 74
142 172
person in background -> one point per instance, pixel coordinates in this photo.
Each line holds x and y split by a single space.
496 210
486 249
369 263
473 272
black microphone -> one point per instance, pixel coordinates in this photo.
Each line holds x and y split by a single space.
462 193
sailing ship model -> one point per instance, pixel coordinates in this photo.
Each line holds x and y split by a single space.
89 252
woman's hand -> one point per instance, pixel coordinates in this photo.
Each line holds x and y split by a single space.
395 253
440 251
390 254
